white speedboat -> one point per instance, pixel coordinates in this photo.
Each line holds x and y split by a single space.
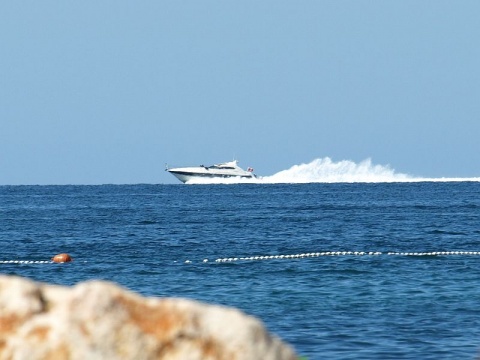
218 171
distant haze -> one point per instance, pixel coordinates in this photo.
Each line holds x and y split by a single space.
110 91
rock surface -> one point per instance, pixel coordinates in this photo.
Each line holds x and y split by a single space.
99 320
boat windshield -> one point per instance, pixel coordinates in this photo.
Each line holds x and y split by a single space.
221 167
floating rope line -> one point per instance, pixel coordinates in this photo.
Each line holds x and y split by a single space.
24 262
60 258
292 256
337 253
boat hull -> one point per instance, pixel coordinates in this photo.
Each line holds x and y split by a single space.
185 176
218 171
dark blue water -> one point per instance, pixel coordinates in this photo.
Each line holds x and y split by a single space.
336 307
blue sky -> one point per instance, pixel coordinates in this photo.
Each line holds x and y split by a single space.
96 92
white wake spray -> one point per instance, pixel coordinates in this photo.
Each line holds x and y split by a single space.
327 171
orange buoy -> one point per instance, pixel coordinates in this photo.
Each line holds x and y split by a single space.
62 258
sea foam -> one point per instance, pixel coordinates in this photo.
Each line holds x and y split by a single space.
327 171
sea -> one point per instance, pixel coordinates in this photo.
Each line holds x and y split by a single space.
379 267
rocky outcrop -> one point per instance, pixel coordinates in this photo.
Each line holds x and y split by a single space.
99 320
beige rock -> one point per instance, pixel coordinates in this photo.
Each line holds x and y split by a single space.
99 320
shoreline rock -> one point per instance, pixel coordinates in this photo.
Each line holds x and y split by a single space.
100 320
